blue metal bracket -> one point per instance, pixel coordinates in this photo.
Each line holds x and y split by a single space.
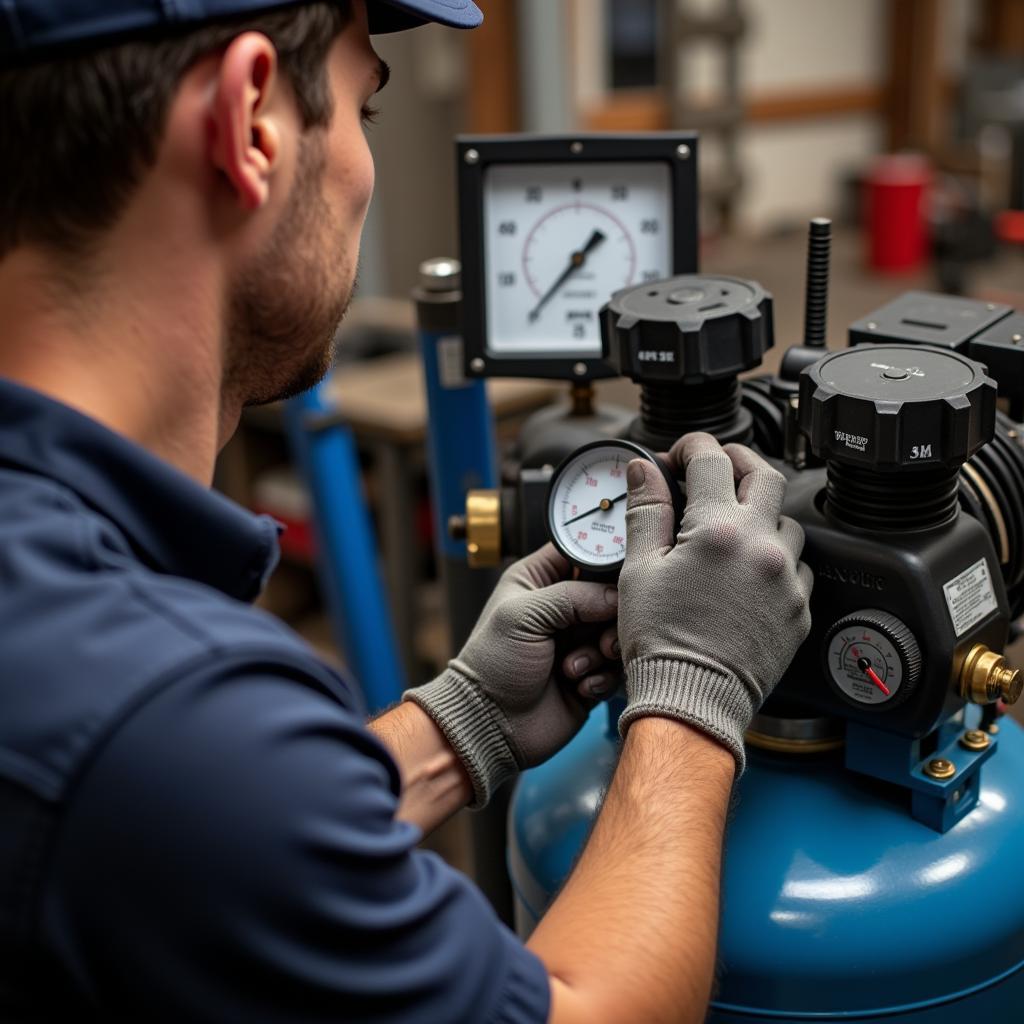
324 449
937 803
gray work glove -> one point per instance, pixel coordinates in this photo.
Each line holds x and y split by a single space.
709 621
501 704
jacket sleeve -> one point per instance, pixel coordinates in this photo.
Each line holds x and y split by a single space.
231 854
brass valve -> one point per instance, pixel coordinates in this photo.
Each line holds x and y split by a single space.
986 678
483 529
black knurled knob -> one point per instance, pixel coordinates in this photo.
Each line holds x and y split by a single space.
889 407
690 329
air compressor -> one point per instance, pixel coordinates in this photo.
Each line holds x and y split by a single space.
871 868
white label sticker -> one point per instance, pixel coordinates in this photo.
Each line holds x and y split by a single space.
449 363
970 596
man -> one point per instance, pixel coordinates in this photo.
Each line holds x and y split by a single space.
197 826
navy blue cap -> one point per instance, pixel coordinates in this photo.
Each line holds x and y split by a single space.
29 27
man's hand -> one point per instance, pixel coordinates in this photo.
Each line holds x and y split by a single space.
711 619
501 704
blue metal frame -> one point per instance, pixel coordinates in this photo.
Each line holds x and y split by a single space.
937 803
325 450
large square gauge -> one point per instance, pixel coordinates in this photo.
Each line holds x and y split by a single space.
552 227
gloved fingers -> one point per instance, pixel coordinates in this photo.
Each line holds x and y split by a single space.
562 605
599 686
650 516
791 536
543 567
609 644
708 469
759 485
806 579
582 661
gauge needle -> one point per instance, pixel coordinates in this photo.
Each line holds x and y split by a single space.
864 664
606 503
576 260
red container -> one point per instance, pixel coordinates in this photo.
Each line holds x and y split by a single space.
895 213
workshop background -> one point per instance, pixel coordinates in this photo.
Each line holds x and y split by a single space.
803 106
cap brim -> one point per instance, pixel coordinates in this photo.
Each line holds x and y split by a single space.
398 15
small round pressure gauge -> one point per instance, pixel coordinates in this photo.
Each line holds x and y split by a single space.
872 658
587 504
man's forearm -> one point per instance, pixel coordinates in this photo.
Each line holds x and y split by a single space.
632 936
434 783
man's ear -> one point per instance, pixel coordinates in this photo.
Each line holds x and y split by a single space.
244 136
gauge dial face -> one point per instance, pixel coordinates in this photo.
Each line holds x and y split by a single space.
559 240
587 506
864 663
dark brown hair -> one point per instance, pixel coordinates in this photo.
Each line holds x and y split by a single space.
78 132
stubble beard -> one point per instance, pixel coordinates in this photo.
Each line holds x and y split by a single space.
285 311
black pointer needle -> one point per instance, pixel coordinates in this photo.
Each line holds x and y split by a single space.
576 260
606 503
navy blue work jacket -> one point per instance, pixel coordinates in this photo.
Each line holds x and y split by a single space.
194 823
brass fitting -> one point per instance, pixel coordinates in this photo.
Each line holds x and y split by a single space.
986 678
483 529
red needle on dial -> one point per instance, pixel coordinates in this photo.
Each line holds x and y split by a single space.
865 666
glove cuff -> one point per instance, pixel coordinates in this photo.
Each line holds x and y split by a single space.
471 724
709 699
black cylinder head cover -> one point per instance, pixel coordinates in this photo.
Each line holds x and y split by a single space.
895 407
689 329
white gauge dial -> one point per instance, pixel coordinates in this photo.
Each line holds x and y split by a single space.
587 503
864 663
559 240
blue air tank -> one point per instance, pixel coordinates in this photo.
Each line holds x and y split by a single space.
836 904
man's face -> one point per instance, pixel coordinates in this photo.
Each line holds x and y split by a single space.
290 297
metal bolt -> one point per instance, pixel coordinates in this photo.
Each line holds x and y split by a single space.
993 729
576 148
440 274
1018 338
477 365
579 369
683 151
990 305
1012 435
974 739
940 768
471 156
872 326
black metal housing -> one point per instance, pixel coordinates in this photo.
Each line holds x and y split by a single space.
927 318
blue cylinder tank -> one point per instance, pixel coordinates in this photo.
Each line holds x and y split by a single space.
836 904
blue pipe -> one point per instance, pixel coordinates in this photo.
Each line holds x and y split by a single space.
325 451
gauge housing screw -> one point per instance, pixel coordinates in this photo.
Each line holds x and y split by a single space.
576 148
471 156
683 151
477 365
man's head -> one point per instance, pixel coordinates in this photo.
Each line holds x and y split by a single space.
240 135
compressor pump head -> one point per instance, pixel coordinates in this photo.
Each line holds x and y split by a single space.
894 424
685 340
